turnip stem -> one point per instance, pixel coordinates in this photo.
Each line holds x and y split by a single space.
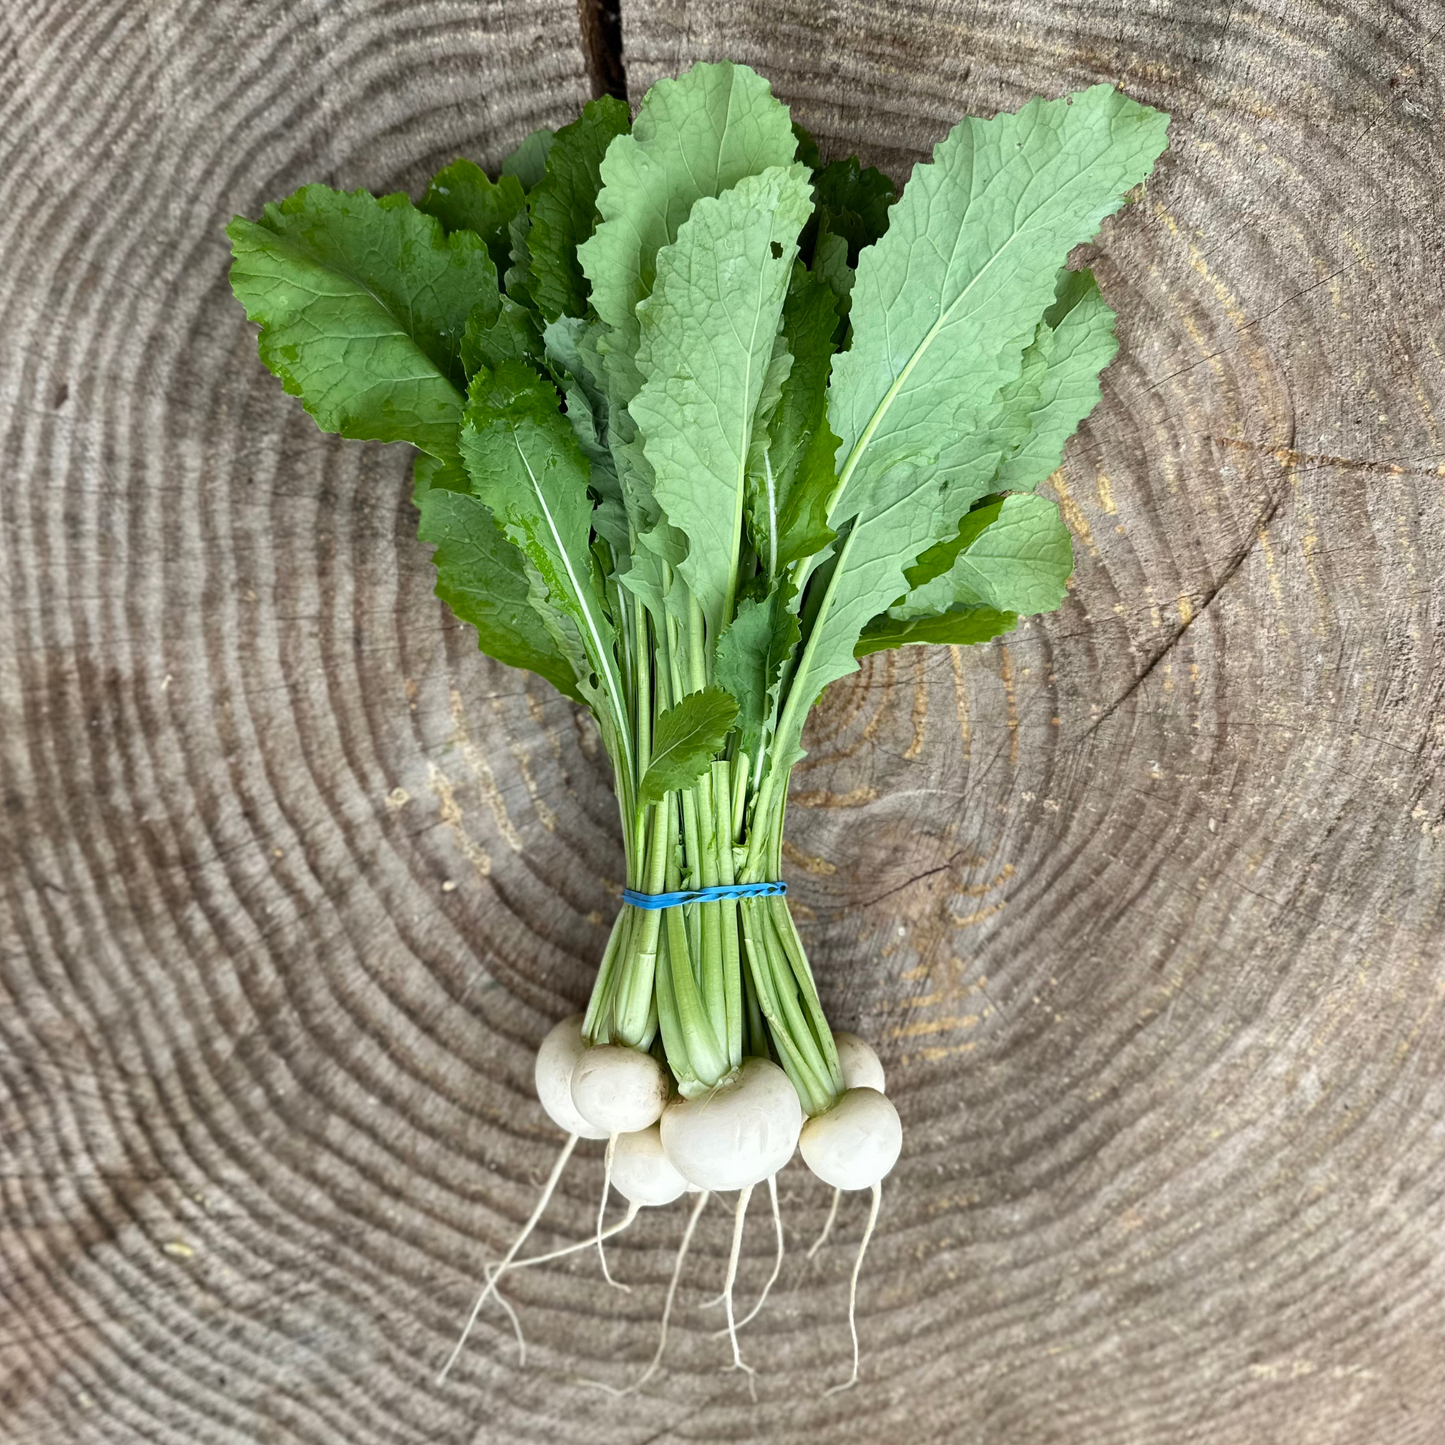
799 1026
611 975
777 998
787 934
709 915
696 643
638 963
761 973
715 831
853 1288
644 689
728 916
521 1239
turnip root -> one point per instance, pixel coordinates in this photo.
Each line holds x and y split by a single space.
777 1258
732 1331
861 1068
556 1059
737 1134
618 1090
860 1065
493 1270
641 1171
855 1143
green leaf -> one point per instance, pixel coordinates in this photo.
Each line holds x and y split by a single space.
850 212
577 370
1076 342
803 529
695 136
786 524
528 163
946 302
517 279
362 305
463 198
751 655
830 265
482 578
707 340
944 307
780 365
1037 413
563 206
853 202
1015 556
807 147
962 625
504 331
525 464
429 473
685 739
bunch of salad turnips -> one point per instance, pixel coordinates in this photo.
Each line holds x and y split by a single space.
701 421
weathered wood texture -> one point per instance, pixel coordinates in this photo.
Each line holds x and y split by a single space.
1142 904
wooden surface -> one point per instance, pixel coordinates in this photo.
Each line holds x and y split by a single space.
1142 906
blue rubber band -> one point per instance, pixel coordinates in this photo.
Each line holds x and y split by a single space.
703 895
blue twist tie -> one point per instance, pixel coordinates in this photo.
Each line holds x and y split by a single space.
703 895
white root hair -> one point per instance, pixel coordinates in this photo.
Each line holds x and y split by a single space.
494 1269
601 1212
822 1239
777 1259
853 1289
491 1282
732 1274
652 1365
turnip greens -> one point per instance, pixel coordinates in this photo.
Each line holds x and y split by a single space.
700 421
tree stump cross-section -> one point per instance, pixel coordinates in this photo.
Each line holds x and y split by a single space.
1141 904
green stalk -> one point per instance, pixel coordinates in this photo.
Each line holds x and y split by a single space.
785 991
787 933
640 969
740 798
712 958
705 1057
696 648
811 1090
674 1039
643 674
594 1024
727 913
756 1031
692 848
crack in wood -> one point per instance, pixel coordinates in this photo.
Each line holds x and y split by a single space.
1261 526
601 24
1288 457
